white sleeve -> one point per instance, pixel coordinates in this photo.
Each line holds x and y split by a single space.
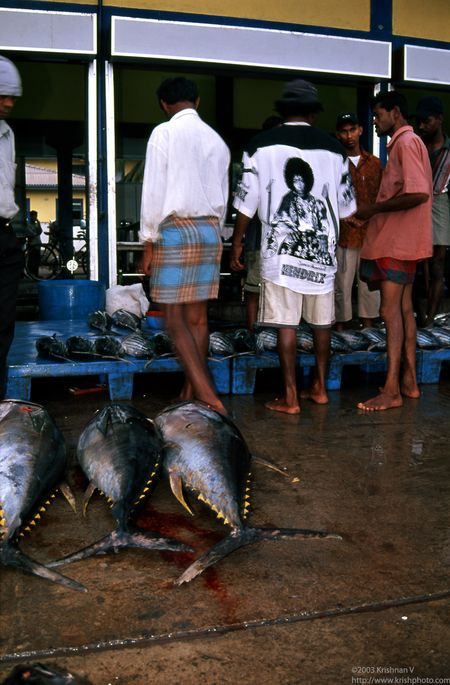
246 198
153 187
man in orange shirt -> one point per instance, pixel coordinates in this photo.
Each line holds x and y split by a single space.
399 235
365 170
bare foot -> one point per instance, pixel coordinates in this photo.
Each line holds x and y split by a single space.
315 395
282 406
381 402
409 387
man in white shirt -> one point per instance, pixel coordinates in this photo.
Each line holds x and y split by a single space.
11 256
184 202
297 178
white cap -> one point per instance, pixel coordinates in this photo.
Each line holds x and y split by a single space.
10 83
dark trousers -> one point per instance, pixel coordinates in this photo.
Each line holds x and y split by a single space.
11 269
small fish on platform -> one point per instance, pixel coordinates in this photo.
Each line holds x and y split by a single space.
120 452
51 347
100 320
32 466
267 339
426 339
305 340
81 349
442 335
376 338
109 347
354 340
138 346
221 344
124 319
206 453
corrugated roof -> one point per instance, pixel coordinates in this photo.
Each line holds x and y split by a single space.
37 177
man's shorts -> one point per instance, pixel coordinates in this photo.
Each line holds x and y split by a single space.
373 271
253 280
281 307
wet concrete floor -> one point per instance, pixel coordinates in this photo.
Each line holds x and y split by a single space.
375 603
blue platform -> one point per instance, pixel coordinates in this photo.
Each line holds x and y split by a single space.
244 368
24 363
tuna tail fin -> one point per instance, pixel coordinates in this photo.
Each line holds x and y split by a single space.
11 556
241 537
120 539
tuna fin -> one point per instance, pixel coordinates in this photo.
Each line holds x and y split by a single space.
87 496
241 537
176 485
121 540
273 467
11 556
68 494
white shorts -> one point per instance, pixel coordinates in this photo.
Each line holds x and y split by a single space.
282 307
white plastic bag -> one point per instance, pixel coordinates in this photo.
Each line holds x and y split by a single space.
129 297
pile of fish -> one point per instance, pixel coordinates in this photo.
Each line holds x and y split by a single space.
121 338
123 454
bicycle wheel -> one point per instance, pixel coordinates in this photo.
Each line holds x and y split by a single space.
48 267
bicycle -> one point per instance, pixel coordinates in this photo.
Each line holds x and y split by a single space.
50 262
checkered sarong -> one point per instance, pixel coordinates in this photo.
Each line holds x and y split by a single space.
186 261
373 271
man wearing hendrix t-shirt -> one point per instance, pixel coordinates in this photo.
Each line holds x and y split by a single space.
398 236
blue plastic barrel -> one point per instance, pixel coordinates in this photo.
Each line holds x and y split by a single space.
69 299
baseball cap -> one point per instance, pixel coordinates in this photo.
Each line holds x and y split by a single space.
346 118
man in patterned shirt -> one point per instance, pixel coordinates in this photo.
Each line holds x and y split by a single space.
296 177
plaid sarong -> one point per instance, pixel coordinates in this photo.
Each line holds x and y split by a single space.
186 261
373 271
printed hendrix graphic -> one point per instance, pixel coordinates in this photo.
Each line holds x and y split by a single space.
303 215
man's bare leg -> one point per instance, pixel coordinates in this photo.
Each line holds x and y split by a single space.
252 306
408 386
391 312
197 320
190 344
317 392
287 350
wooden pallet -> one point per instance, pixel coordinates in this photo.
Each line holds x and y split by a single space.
24 364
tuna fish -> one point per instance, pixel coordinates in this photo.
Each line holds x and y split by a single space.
305 340
50 347
124 319
100 320
426 339
442 335
108 347
32 465
376 338
221 344
80 348
267 339
120 453
138 346
353 339
338 343
206 453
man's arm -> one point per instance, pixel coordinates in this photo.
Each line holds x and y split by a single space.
240 227
147 258
395 204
